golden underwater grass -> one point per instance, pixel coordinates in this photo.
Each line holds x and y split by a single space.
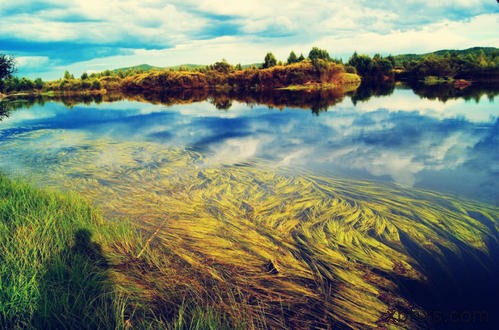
267 246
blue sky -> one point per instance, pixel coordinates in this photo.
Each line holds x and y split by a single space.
50 36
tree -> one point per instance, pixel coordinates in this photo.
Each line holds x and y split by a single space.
96 84
269 61
317 53
363 63
301 58
84 76
391 59
222 66
7 67
106 73
292 58
38 83
68 75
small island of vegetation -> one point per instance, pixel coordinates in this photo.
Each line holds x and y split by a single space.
318 71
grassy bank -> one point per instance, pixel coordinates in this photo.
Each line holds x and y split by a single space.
52 272
63 266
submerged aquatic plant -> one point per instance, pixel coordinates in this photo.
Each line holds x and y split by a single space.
300 249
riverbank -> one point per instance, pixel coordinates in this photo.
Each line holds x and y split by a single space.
63 266
51 94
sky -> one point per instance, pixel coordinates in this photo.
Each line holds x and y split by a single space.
48 37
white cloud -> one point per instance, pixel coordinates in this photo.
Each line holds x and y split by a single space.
478 31
177 27
233 151
101 22
30 62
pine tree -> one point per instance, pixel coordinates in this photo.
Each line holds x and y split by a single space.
292 58
269 61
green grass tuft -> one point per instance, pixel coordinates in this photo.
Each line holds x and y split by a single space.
63 266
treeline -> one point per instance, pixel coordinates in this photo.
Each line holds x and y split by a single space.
472 64
377 68
432 68
15 84
304 73
315 100
318 69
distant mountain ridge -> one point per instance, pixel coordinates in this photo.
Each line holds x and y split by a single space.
474 51
189 66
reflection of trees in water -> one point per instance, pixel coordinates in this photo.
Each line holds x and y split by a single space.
367 89
221 102
315 100
4 110
9 105
445 92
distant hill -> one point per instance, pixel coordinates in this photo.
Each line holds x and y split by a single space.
143 67
188 66
488 51
147 67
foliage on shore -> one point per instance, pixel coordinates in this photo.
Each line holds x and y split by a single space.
320 71
318 68
479 63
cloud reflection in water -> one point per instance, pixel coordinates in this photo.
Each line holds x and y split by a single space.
450 147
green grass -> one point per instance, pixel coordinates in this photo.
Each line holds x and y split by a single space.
51 271
433 80
345 82
63 266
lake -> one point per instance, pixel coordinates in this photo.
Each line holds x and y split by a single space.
353 200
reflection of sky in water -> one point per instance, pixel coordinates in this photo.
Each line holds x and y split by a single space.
450 147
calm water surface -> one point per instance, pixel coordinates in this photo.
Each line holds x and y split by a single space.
402 138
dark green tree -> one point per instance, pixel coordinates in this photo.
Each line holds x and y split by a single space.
7 68
84 76
382 68
222 66
106 73
292 58
269 61
96 84
301 58
391 59
39 83
68 75
363 63
317 53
